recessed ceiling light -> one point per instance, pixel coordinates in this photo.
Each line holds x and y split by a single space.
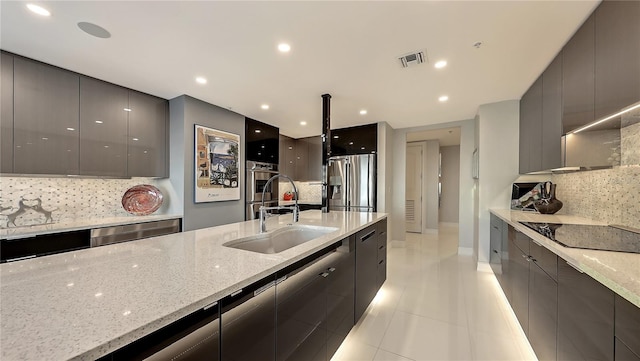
258 131
135 139
284 47
127 109
264 106
71 129
443 98
94 30
363 112
335 137
201 80
303 123
99 122
38 10
350 143
362 148
440 64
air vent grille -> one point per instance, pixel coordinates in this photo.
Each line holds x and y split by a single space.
410 210
415 58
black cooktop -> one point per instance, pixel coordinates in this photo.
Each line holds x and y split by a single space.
606 238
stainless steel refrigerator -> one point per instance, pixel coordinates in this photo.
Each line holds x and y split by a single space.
352 183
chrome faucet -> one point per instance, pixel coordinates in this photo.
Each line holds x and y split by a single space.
263 209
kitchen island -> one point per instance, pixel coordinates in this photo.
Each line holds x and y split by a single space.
84 304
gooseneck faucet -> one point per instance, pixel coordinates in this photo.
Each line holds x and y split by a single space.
263 209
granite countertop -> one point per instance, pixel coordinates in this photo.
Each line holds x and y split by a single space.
30 231
84 304
617 270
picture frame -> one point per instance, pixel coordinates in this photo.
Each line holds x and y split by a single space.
216 166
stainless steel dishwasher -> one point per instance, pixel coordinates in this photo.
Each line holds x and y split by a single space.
131 232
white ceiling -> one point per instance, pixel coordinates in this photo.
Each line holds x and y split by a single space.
446 136
346 49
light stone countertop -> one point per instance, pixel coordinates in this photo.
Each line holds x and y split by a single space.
84 304
301 201
79 224
616 270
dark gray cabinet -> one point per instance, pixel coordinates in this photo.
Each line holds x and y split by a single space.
519 278
248 323
366 269
585 316
195 337
578 79
6 120
287 156
301 158
617 56
341 294
627 330
551 122
148 136
530 128
103 128
543 302
382 252
314 159
46 119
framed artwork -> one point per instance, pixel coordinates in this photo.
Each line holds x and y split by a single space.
217 161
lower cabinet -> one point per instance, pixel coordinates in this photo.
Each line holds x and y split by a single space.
543 312
585 316
341 294
519 281
382 252
627 330
366 269
195 337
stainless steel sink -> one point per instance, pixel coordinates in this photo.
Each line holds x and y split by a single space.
281 239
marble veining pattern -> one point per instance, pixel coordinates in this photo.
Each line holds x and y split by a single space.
81 305
609 195
616 270
70 199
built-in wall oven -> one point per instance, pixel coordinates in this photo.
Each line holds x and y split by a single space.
257 176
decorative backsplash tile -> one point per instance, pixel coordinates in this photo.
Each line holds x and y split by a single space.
68 199
630 144
608 195
309 191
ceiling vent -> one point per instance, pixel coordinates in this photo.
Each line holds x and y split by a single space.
415 58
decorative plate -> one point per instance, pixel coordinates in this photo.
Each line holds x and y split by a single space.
142 200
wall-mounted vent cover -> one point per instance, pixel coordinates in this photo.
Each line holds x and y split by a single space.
411 59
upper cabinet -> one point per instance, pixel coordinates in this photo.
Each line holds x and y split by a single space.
617 56
578 78
103 128
58 122
46 119
362 139
287 156
148 135
314 168
531 128
261 142
301 159
6 118
552 115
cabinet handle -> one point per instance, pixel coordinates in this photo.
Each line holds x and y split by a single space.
381 261
209 306
575 267
264 288
495 251
331 269
279 280
324 274
233 294
381 247
367 236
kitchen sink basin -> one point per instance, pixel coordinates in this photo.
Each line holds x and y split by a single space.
281 239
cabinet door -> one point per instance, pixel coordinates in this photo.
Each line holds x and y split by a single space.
46 119
627 324
302 157
578 81
103 128
531 128
495 239
247 323
289 158
623 353
314 169
366 269
585 316
381 228
6 107
543 313
552 115
341 295
519 283
147 135
617 56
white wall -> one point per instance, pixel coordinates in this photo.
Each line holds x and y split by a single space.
466 182
498 127
385 171
450 179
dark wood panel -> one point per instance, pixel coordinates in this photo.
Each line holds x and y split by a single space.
628 323
519 285
543 313
552 115
6 105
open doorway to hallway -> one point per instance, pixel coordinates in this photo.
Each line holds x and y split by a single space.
432 190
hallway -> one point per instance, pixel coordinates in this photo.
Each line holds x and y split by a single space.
436 306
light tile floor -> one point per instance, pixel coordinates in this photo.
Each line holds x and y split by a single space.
435 306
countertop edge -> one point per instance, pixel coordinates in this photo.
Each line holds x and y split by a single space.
561 251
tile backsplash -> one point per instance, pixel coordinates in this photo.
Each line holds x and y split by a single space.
69 199
608 195
309 191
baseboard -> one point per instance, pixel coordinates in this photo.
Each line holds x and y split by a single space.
430 231
484 267
465 251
